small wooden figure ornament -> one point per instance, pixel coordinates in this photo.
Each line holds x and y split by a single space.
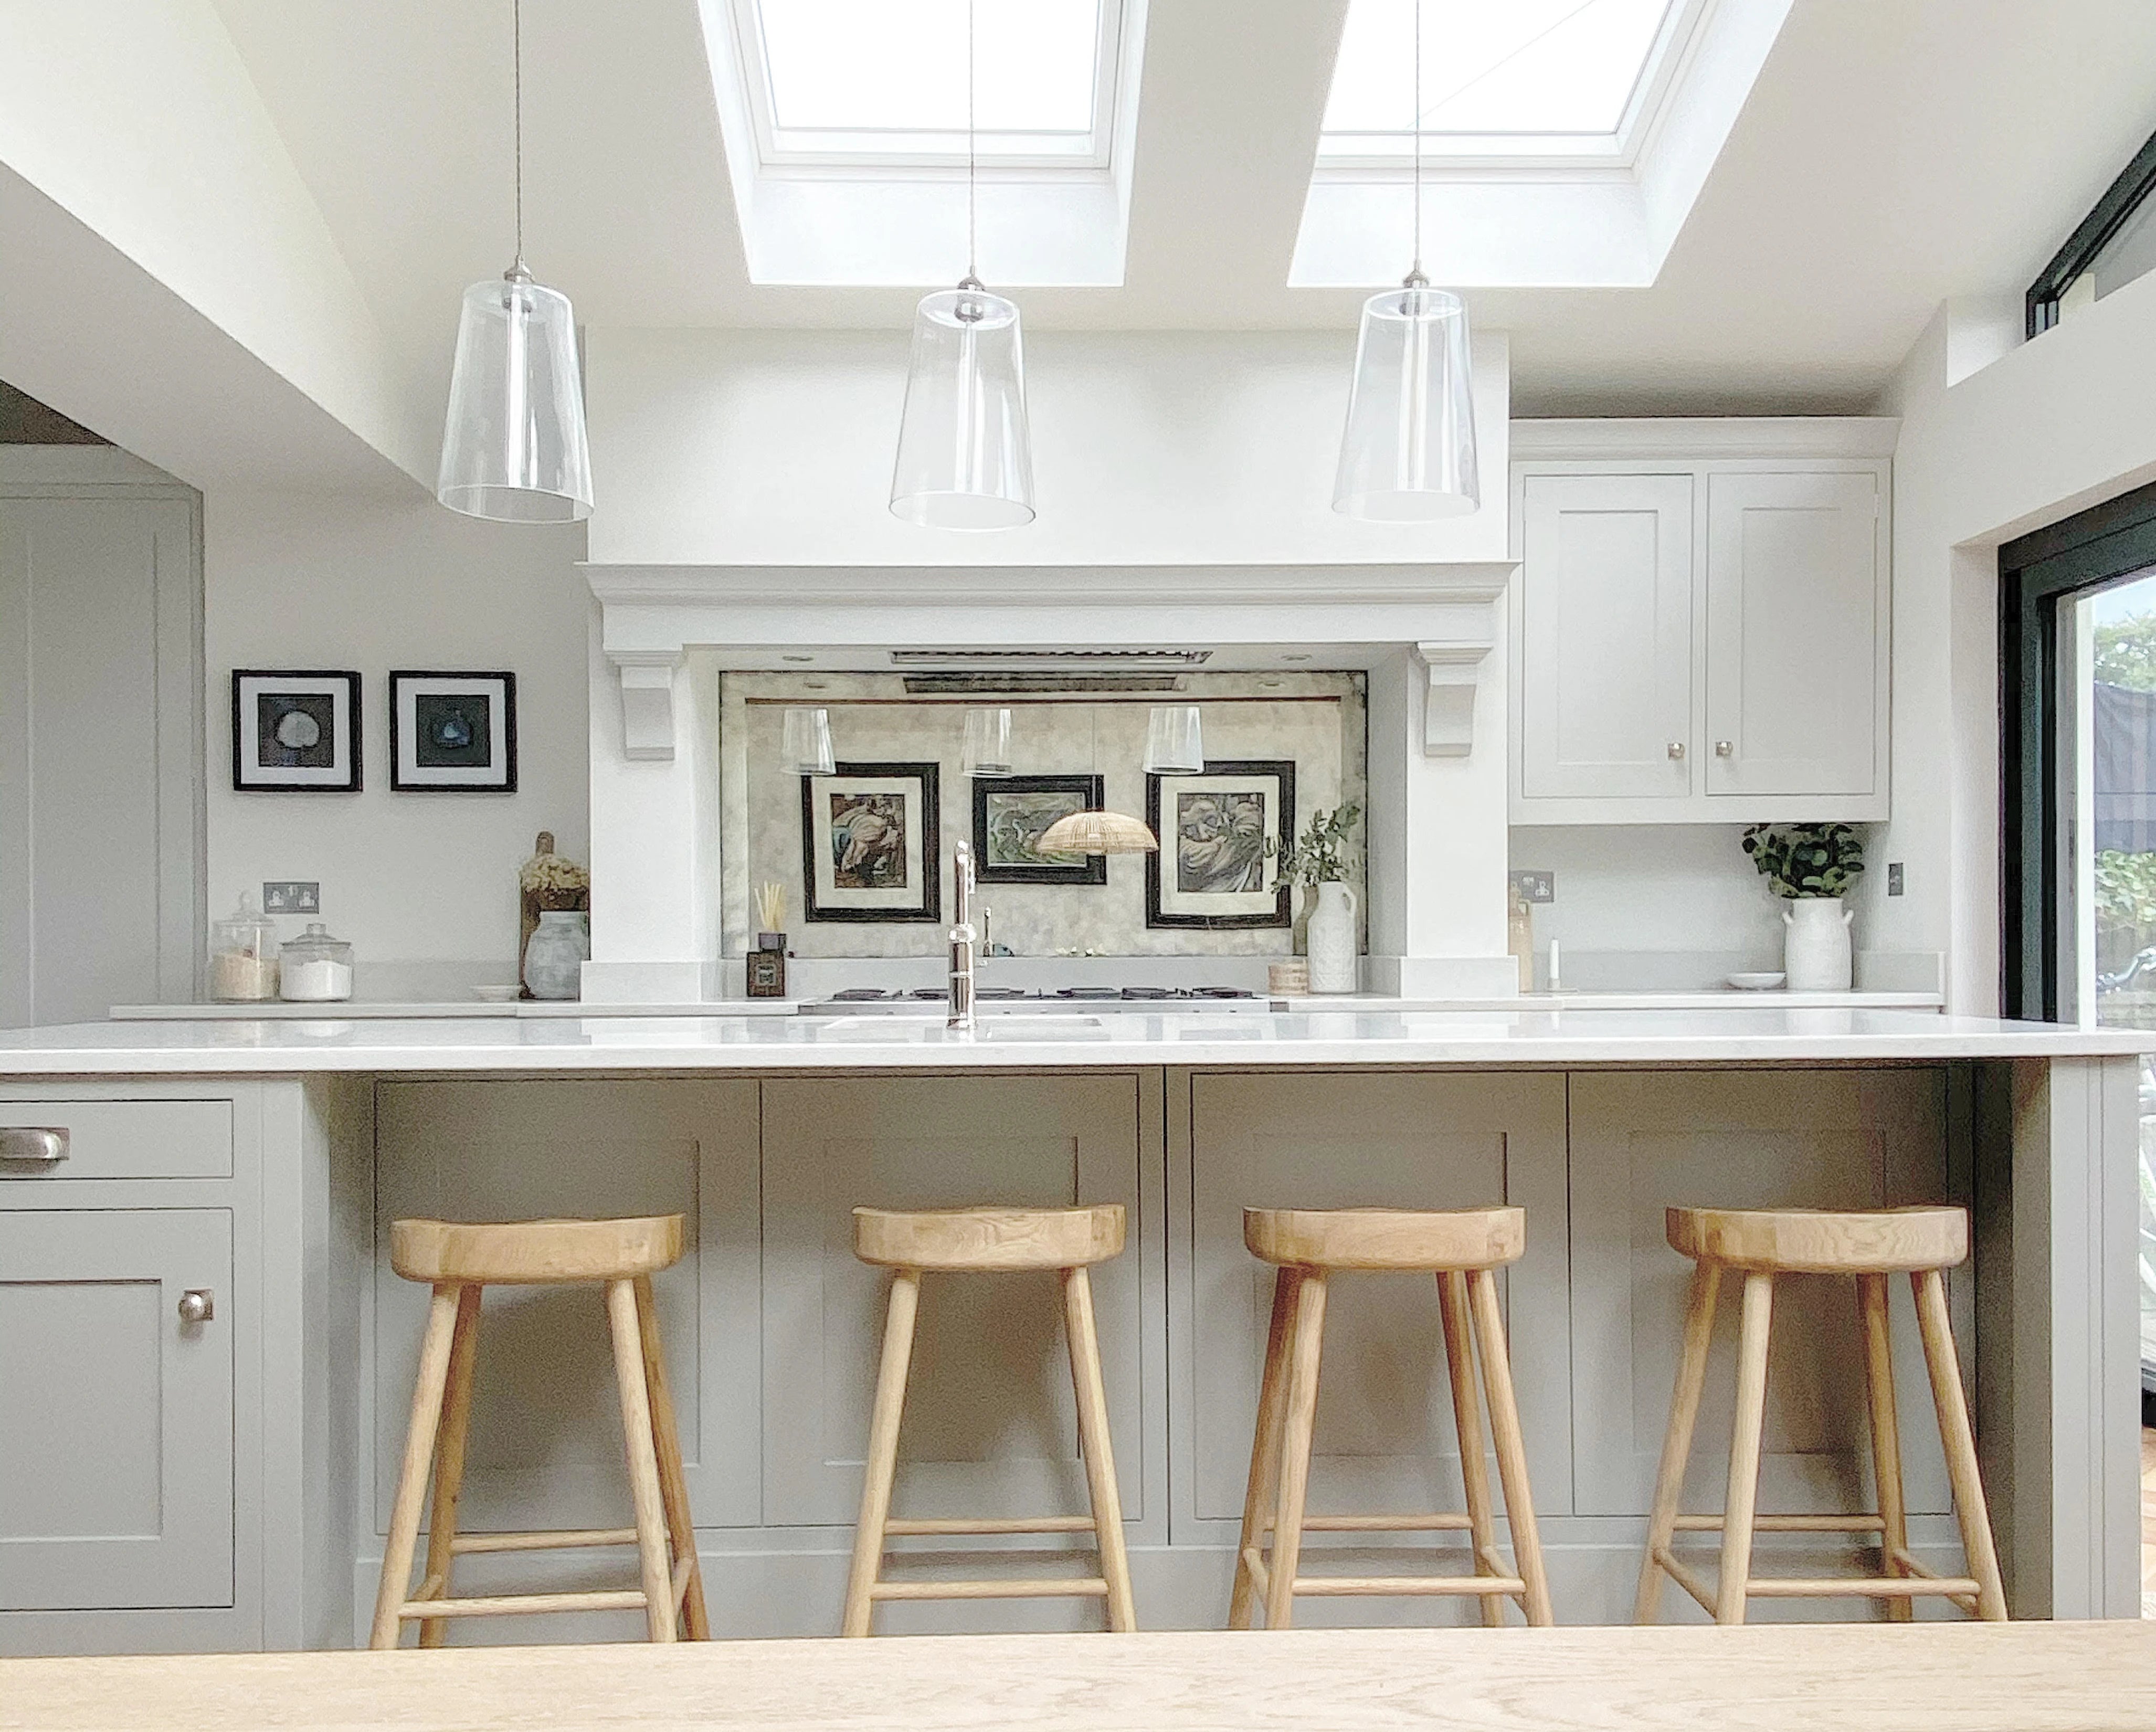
547 881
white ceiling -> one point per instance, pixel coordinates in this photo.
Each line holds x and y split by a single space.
1894 154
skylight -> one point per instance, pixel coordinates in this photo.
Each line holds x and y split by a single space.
1531 78
882 83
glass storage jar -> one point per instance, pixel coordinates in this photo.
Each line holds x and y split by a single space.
316 968
242 956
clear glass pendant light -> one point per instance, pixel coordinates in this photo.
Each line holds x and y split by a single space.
808 742
513 447
1408 455
1175 740
987 742
965 455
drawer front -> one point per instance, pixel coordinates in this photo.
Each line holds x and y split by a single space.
115 1139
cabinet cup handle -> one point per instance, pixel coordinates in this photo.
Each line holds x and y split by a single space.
197 1304
1676 749
1724 748
33 1145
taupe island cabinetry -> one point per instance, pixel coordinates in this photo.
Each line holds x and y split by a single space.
223 1482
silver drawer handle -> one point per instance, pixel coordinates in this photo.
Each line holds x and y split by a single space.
33 1146
197 1304
1676 748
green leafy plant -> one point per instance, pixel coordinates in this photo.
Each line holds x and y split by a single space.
1802 861
2125 888
1322 853
2125 652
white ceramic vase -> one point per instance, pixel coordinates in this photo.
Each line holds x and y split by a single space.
554 959
1331 931
1815 948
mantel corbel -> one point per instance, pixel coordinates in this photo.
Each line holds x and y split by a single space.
1455 671
647 702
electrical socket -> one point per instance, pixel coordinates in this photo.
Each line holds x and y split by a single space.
291 895
1535 887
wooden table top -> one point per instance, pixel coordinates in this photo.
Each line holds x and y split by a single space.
1812 1677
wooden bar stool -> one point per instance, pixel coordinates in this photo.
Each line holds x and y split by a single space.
1763 1244
972 1240
1461 1248
460 1262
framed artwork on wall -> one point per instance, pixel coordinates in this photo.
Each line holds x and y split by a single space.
296 732
1009 815
452 733
870 843
1221 836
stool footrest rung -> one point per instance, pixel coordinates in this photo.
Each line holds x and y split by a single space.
991 1524
567 1539
1408 1587
1012 1587
1788 1524
1922 1581
1438 1522
517 1605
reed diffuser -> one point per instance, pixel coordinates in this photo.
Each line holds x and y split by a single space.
771 912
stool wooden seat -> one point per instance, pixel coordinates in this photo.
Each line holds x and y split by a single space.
1462 1248
460 1261
972 1240
1763 1244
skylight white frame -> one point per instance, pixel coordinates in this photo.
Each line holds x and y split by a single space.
1480 154
852 153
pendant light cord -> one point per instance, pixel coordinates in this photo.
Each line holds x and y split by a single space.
1415 278
973 262
516 75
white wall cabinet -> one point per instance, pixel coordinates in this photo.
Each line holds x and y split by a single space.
1700 622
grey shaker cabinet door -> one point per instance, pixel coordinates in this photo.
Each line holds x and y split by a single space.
116 1414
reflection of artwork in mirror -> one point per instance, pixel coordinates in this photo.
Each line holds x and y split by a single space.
869 843
1221 835
296 732
1010 814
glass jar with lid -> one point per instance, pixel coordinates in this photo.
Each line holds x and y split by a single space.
242 956
316 968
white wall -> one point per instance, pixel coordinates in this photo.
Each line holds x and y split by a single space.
2053 426
305 581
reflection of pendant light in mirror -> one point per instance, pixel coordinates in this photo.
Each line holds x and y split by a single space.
965 456
808 742
1408 455
513 447
1175 740
987 742
1097 831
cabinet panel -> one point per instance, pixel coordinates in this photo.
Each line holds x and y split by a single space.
1605 624
125 1139
116 1416
1384 1437
546 1448
1641 1143
1795 634
989 1425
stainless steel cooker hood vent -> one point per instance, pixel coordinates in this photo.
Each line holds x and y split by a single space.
1061 660
1023 681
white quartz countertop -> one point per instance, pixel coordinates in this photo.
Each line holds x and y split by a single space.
1466 1040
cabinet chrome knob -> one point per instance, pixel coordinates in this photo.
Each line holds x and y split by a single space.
1676 748
197 1304
1724 748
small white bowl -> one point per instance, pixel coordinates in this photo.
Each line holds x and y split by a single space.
496 995
1757 982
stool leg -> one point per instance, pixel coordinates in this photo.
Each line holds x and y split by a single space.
1886 1436
419 1454
643 1460
449 1461
1742 1500
1264 1448
1511 1446
882 1466
1085 1347
1296 1423
1452 1304
673 1484
1676 1441
1960 1442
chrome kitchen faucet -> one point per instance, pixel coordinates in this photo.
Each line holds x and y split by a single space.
963 937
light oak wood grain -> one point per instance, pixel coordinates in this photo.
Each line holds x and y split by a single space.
534 1253
989 1238
1818 1241
1925 1677
1413 1239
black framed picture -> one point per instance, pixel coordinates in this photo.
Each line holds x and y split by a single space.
451 734
870 843
296 732
1010 813
1221 837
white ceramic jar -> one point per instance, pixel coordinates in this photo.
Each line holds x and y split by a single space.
1815 945
1332 940
554 959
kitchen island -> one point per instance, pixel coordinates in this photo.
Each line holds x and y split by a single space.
223 1484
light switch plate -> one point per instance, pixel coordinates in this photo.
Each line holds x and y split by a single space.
1893 877
291 895
1535 887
